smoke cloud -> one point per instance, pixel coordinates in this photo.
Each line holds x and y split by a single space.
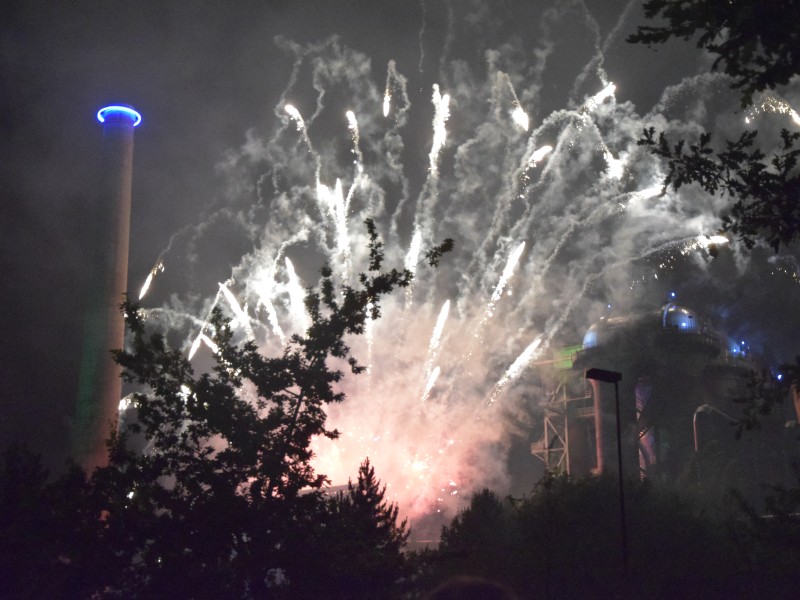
545 239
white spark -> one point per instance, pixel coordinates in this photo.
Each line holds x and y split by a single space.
431 382
296 296
520 117
241 316
157 268
436 336
441 104
539 154
772 104
516 368
295 114
508 271
595 101
706 241
412 258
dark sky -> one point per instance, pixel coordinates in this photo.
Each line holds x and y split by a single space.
201 73
204 74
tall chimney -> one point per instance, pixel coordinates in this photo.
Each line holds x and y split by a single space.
100 386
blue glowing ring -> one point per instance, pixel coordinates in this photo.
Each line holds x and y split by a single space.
126 110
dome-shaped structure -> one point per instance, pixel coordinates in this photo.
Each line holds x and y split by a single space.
677 317
590 337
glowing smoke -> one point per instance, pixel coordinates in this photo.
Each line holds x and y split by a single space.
554 216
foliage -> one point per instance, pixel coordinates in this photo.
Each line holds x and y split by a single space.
763 390
756 43
766 195
49 530
223 501
361 543
758 46
767 541
563 542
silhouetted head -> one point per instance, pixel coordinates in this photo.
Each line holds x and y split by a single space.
471 588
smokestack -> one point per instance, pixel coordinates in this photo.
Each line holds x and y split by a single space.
100 386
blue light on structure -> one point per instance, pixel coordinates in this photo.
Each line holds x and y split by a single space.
780 377
108 111
672 294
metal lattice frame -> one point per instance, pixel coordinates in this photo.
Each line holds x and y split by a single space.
553 448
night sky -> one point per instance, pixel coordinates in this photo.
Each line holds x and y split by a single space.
208 79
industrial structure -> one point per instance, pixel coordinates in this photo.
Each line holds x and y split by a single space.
680 380
100 385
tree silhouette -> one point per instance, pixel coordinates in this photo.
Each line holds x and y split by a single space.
224 500
756 43
359 549
758 46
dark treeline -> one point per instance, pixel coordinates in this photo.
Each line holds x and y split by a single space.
560 542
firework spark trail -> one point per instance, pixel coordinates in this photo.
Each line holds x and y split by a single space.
532 211
524 179
426 204
441 105
488 184
352 124
592 103
772 104
595 64
301 125
506 107
489 310
429 385
436 337
393 141
333 200
538 155
264 297
387 99
516 368
515 187
199 338
566 138
520 117
157 268
241 314
516 112
208 342
410 264
508 273
421 36
296 296
395 82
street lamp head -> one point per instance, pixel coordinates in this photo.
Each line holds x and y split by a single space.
603 375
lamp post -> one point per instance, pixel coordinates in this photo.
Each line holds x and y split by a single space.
615 377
